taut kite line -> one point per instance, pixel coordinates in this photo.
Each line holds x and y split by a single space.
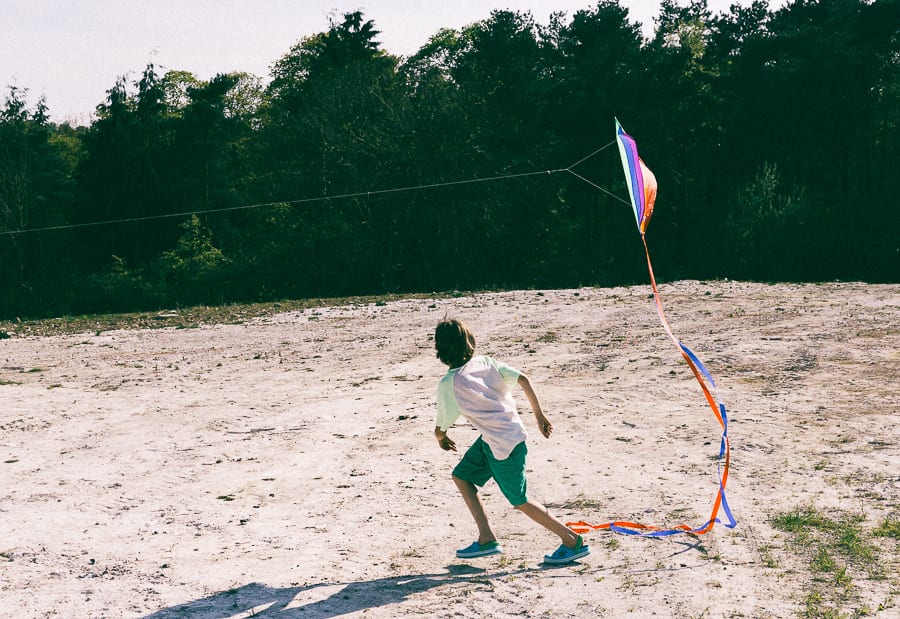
642 191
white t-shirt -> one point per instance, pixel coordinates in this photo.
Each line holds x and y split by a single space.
480 391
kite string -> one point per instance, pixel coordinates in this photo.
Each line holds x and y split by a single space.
583 159
344 196
596 186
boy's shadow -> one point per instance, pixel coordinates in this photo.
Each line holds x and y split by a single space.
257 600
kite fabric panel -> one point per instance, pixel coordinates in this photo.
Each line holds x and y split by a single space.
642 191
641 181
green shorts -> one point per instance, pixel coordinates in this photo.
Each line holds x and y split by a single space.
479 465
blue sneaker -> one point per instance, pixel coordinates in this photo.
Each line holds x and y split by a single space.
479 550
564 554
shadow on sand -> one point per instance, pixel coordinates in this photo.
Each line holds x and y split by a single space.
334 599
323 599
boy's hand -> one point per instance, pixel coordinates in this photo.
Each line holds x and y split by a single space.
443 440
447 443
544 425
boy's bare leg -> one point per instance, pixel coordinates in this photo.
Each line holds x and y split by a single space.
473 502
542 516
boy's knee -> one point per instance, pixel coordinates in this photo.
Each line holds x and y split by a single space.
461 482
526 506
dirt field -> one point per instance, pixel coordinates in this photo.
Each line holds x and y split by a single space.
286 467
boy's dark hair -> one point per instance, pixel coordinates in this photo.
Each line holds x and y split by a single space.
454 342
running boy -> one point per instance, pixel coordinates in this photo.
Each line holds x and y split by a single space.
478 388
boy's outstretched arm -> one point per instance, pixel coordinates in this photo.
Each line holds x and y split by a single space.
443 440
543 423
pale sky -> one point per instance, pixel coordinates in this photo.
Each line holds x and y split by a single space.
72 51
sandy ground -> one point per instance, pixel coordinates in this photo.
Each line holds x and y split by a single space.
287 467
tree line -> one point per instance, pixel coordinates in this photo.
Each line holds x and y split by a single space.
772 133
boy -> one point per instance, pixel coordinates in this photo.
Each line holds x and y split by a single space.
478 388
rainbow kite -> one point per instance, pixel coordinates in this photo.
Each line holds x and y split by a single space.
641 181
642 191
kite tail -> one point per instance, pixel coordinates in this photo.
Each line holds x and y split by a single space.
718 408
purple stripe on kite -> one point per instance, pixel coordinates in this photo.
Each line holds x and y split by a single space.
634 170
637 177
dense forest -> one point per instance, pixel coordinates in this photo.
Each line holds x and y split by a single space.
349 170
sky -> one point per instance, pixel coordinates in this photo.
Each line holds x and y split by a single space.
72 52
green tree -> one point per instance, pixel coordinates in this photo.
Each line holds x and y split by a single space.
36 166
813 89
176 87
195 268
334 124
205 166
762 224
680 139
494 75
598 69
122 175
